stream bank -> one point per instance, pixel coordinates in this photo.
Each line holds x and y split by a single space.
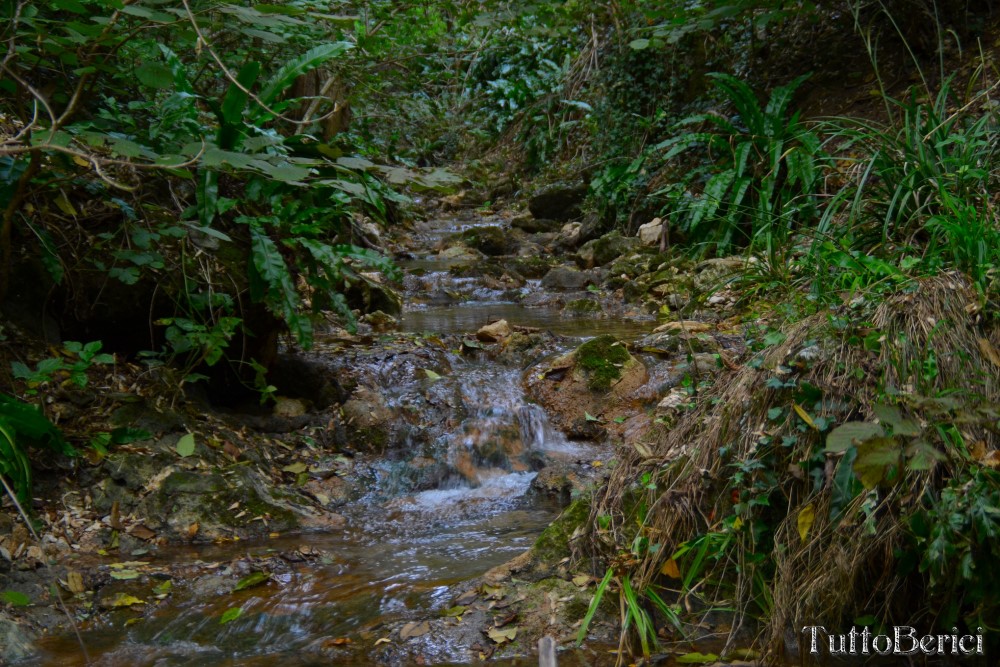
382 510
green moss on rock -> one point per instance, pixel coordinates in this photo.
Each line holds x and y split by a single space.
583 306
553 544
602 358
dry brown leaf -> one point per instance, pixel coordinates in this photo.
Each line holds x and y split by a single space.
193 530
414 629
140 531
670 569
989 351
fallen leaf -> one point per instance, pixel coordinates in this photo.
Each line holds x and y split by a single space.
502 635
431 375
414 629
383 640
989 352
251 580
185 445
231 615
670 569
339 641
805 521
296 468
15 598
193 530
457 610
805 416
126 600
467 597
124 574
74 582
582 580
140 531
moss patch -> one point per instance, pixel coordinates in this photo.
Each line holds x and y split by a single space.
602 358
553 544
583 306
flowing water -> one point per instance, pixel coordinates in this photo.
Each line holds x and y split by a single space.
407 543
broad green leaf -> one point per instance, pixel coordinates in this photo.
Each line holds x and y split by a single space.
185 445
155 75
251 580
851 434
875 455
292 70
231 615
893 416
15 598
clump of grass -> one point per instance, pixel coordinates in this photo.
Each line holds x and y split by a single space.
748 501
602 358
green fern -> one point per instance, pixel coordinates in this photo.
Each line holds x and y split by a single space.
23 425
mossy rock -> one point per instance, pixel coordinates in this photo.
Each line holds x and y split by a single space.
583 306
492 241
553 544
602 358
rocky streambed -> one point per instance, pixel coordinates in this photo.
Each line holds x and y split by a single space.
395 504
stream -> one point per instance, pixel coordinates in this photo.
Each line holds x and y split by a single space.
407 544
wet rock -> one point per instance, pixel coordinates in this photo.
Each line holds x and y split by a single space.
568 236
559 201
605 250
531 266
650 233
368 421
368 296
596 379
289 407
489 240
593 227
332 491
16 641
673 342
380 321
532 225
463 199
203 507
460 253
567 278
583 307
711 273
495 332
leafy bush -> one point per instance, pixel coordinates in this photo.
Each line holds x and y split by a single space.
23 425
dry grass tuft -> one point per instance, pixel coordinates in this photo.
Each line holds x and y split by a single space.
920 342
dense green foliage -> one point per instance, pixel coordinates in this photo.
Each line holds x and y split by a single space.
229 167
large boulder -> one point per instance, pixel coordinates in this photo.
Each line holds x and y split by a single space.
559 201
605 250
586 388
